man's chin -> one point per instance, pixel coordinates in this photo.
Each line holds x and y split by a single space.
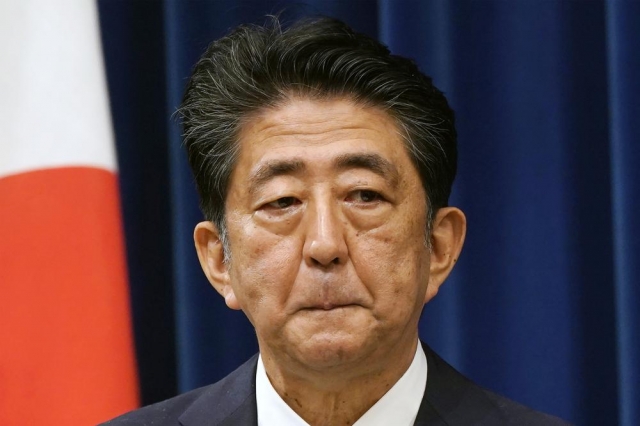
337 340
333 352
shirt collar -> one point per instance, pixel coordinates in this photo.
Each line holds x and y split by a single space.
399 406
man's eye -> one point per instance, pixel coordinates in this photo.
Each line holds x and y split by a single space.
366 196
282 203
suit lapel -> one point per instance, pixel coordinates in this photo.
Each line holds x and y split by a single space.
450 398
428 415
245 414
230 402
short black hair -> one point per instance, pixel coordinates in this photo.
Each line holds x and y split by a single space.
260 66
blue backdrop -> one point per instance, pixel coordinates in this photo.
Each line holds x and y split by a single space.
543 305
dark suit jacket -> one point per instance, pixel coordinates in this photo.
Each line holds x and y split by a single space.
450 399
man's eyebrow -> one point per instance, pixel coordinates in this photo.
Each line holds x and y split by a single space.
271 169
372 162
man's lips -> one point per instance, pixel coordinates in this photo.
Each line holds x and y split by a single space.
328 306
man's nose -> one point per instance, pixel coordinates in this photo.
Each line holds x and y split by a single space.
325 244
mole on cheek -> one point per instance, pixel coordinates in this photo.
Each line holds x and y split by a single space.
252 293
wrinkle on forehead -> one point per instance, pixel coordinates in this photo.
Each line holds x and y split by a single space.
324 136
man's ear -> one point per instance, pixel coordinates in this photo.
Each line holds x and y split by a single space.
211 255
447 237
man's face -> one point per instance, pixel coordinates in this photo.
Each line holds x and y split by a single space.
326 218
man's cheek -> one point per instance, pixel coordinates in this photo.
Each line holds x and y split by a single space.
399 274
267 273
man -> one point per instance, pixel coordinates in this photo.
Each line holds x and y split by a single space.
324 166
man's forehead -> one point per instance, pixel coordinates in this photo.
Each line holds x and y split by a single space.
304 123
333 135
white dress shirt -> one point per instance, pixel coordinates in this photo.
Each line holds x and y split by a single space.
398 407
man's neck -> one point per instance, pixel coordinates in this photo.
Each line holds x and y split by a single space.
336 398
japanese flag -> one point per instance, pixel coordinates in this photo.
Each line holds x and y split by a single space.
66 346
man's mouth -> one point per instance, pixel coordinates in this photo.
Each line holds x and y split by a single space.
328 306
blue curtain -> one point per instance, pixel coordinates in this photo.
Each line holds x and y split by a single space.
543 305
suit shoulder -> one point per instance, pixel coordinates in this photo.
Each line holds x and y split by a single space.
210 404
161 413
455 399
515 413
